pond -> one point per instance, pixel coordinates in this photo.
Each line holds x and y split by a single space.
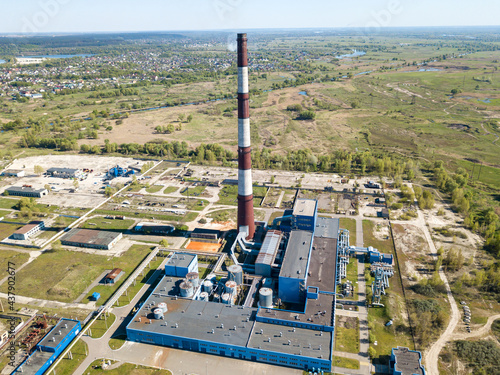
303 93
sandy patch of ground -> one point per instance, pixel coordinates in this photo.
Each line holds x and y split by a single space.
203 246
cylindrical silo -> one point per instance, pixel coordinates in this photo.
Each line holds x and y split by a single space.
216 298
235 273
158 313
186 288
194 278
163 307
207 286
226 299
266 297
231 287
212 277
203 296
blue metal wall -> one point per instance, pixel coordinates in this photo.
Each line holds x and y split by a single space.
231 351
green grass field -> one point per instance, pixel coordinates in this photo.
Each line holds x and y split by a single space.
10 256
228 195
7 229
170 189
116 343
154 189
108 224
369 239
68 366
193 191
347 339
101 325
345 362
75 271
350 225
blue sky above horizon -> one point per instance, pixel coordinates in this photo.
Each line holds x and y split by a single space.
46 16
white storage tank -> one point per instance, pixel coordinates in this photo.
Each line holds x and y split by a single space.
207 286
235 273
187 289
212 277
216 298
231 287
158 314
163 307
266 297
226 299
194 278
204 296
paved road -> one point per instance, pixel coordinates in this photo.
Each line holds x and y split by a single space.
51 304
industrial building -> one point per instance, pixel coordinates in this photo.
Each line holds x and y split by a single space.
64 172
26 191
205 235
211 316
406 362
28 230
95 239
113 276
49 348
14 173
154 228
304 214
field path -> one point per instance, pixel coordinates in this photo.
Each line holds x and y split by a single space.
489 133
432 354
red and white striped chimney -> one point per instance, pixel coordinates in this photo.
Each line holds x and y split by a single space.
246 222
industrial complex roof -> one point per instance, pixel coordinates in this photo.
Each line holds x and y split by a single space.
90 236
304 207
319 312
323 264
181 260
61 170
35 362
407 361
53 338
297 255
327 227
195 319
269 247
304 342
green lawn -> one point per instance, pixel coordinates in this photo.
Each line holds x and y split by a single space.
193 191
7 229
116 343
101 325
125 369
68 366
15 257
228 195
347 339
4 213
8 203
154 189
107 291
170 189
108 224
75 271
369 239
350 225
345 362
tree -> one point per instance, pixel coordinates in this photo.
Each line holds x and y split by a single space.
170 128
38 169
307 115
190 118
109 191
164 243
182 116
76 184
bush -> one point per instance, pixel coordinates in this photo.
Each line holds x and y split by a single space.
307 115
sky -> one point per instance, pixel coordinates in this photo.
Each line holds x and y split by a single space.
47 16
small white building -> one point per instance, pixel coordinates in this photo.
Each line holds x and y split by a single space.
28 230
14 173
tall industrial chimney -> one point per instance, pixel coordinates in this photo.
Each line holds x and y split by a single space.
246 221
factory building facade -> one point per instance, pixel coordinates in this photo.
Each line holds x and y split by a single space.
64 172
28 230
24 191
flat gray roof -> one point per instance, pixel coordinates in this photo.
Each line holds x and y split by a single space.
269 247
54 333
408 362
323 263
28 189
296 254
304 207
181 260
327 227
90 236
35 362
62 170
303 342
195 319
